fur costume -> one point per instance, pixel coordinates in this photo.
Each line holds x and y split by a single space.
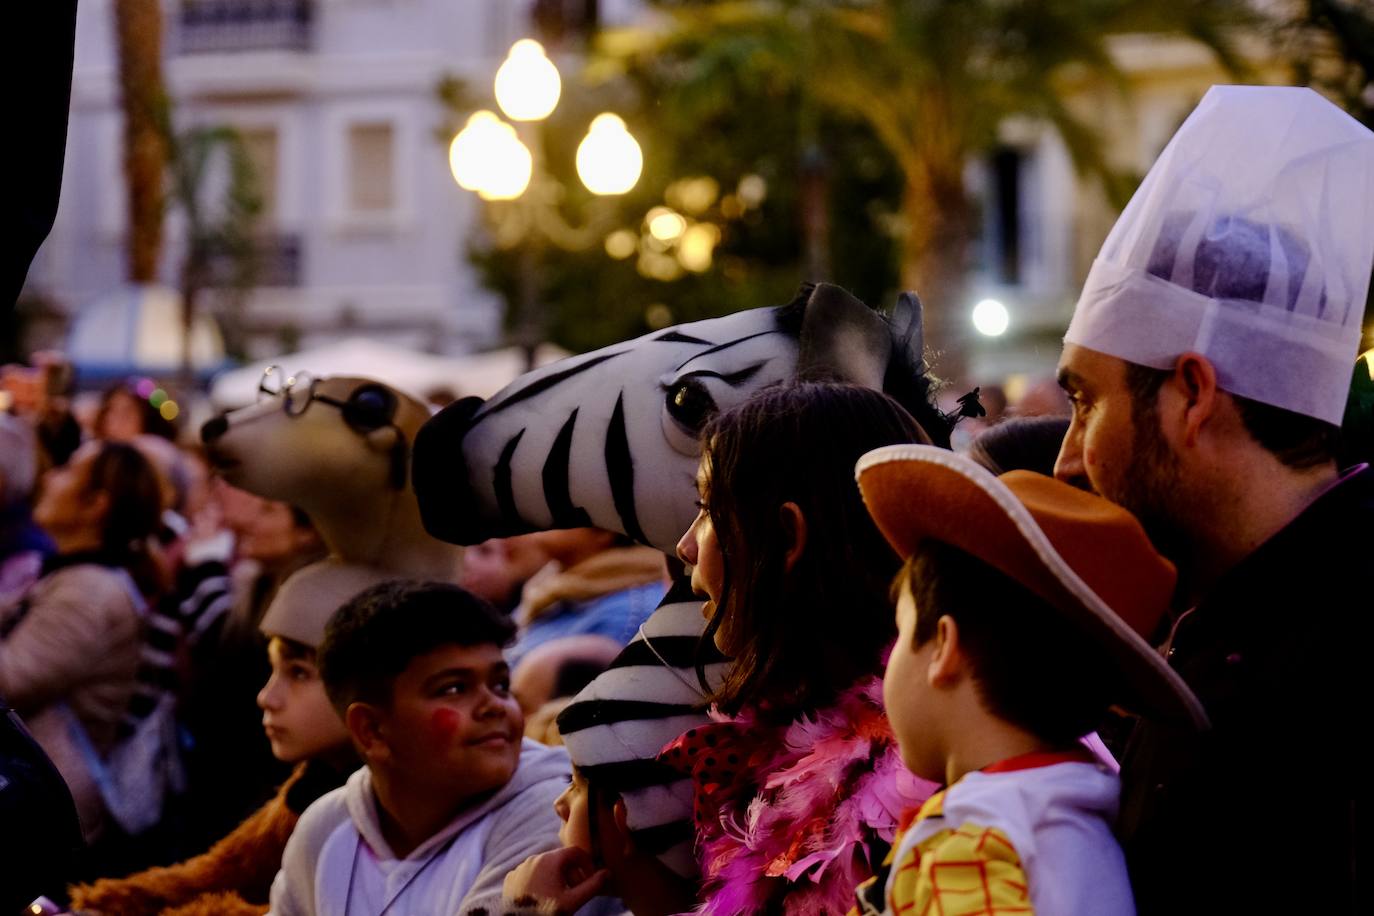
804 813
231 879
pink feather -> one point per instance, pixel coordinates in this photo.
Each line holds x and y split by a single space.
835 783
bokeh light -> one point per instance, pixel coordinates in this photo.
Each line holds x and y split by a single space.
527 83
752 190
621 243
991 318
475 153
658 316
692 195
609 159
664 224
697 245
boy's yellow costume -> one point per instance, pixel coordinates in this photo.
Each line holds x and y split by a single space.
1032 832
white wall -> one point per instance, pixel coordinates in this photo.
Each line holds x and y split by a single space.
401 275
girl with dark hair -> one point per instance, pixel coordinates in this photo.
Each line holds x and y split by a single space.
69 648
799 785
124 414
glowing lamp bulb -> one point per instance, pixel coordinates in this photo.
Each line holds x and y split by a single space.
608 158
527 83
487 157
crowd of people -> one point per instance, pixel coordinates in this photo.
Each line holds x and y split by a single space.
1063 668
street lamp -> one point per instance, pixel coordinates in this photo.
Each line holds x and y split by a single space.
489 156
492 159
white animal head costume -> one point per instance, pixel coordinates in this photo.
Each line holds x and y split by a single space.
610 439
337 448
1250 241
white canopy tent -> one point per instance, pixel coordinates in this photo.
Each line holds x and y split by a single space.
416 373
137 330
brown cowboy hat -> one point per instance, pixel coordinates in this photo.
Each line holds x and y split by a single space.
1082 554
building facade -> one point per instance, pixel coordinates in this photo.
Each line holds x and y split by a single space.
363 231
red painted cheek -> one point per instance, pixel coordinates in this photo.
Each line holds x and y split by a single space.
443 725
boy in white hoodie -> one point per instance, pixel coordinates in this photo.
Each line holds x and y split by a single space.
451 797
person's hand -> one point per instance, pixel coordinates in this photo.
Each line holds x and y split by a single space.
564 879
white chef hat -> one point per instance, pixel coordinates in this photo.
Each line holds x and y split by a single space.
1250 241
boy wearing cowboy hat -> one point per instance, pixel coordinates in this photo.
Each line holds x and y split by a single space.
1022 609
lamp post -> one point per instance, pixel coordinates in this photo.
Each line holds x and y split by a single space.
503 162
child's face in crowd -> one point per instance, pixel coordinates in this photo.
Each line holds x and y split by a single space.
123 420
572 808
296 713
272 534
452 722
908 695
700 549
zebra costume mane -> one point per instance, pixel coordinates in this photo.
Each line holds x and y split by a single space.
611 439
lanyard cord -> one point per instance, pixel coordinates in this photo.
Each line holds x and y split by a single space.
353 871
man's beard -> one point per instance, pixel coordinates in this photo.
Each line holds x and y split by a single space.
1152 490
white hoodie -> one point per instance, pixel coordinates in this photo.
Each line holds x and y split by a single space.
337 850
1058 818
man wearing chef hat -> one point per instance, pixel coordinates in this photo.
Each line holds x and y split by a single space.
1208 361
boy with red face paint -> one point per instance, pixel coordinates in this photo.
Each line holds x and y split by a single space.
451 797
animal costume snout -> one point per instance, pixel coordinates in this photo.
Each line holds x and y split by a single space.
439 474
213 428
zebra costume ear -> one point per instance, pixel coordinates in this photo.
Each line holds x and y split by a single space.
841 338
908 327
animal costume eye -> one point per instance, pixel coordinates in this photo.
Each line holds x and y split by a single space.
690 404
370 407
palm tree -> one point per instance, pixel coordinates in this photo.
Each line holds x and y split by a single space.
932 79
138 32
218 230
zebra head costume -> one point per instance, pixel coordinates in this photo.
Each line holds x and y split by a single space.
610 439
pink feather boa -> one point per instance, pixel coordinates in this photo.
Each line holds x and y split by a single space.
832 784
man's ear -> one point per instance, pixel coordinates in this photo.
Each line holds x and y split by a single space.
948 661
1194 385
365 727
794 526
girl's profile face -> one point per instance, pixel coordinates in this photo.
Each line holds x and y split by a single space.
700 549
571 807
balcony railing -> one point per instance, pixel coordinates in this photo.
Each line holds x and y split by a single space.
218 26
277 262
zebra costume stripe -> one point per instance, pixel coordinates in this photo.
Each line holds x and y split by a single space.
615 727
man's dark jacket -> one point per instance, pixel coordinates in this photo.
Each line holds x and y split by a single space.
1269 811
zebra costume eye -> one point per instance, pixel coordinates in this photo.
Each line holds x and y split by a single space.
690 404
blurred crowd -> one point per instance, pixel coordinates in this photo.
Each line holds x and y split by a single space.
1047 653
